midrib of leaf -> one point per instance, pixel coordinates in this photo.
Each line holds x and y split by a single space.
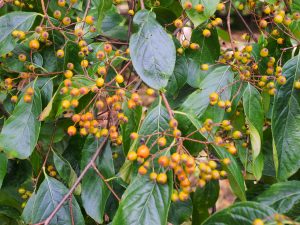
50 190
146 203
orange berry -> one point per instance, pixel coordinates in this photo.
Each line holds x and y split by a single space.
143 151
131 156
163 161
71 130
162 178
142 170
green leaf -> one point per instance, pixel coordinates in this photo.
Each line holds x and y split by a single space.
113 25
284 197
54 108
134 117
10 22
218 78
95 193
203 199
152 51
180 212
286 122
157 120
241 213
102 7
41 205
197 18
254 112
65 171
178 80
21 130
144 202
209 50
3 167
234 172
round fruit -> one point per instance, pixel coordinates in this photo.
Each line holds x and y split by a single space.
60 53
34 44
258 222
163 161
90 20
162 178
178 23
143 151
264 52
119 78
71 130
131 156
206 33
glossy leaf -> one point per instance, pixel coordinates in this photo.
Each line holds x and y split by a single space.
10 22
180 212
198 101
42 203
65 171
157 120
286 122
241 213
152 51
254 113
144 202
197 18
284 197
102 6
21 130
209 47
3 167
94 190
203 199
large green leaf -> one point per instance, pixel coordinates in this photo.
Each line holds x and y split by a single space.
144 202
234 172
157 120
10 22
197 18
203 199
180 212
241 213
102 6
94 190
254 112
152 51
65 171
178 80
284 197
217 79
209 50
41 205
286 122
21 130
3 167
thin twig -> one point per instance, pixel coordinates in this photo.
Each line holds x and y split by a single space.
104 180
85 170
142 4
244 22
167 105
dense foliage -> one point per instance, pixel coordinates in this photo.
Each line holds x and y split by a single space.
133 112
